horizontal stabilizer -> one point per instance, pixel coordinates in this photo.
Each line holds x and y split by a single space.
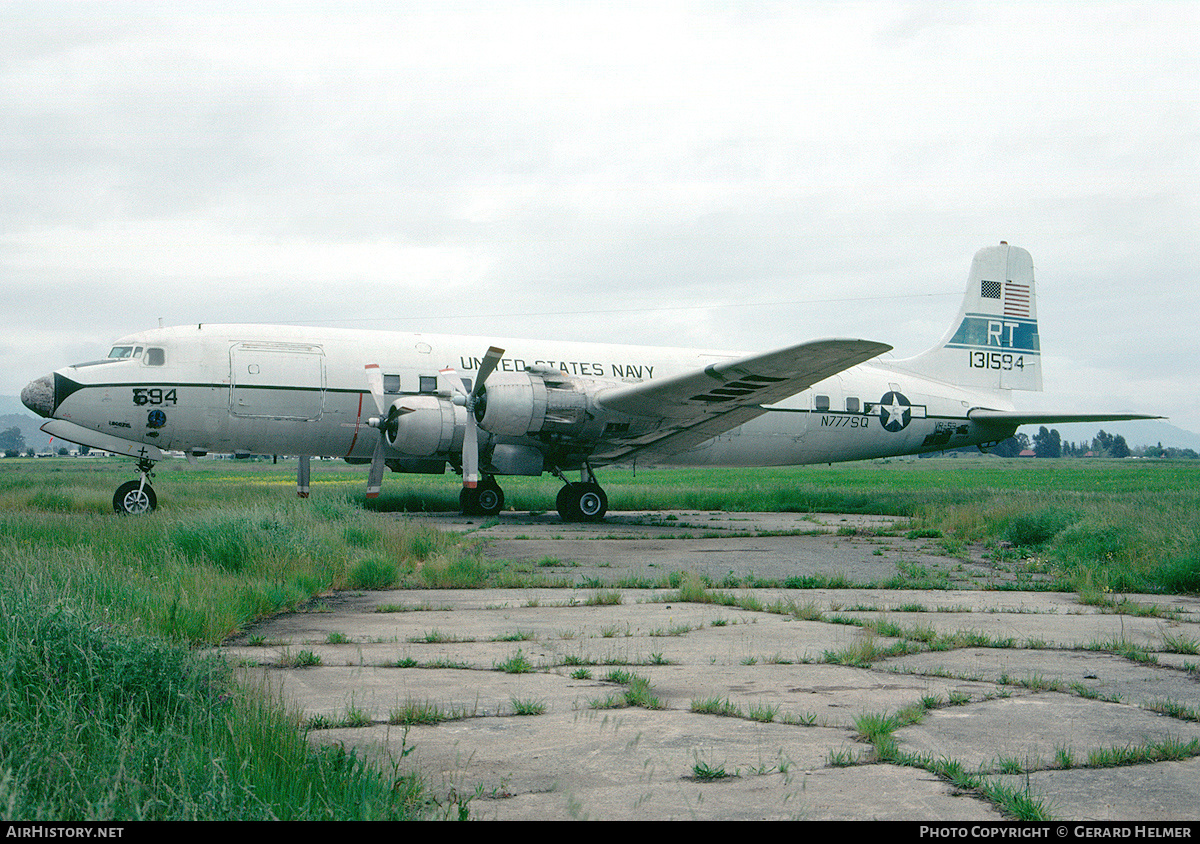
1015 418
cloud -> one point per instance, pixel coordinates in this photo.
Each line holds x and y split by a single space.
371 162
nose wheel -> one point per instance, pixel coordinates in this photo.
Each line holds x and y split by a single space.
136 497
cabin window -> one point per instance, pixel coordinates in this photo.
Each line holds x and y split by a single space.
155 357
429 384
852 405
391 383
821 402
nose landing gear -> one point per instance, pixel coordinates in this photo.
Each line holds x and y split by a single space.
136 497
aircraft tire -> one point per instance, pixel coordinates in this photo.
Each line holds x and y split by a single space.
487 499
582 502
129 500
592 503
565 504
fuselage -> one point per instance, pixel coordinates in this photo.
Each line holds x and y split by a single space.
291 390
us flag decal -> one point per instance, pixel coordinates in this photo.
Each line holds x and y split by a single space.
1016 299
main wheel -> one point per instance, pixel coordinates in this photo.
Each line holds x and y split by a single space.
582 502
487 499
566 504
592 503
134 498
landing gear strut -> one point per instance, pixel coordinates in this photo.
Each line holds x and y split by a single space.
487 499
583 501
136 497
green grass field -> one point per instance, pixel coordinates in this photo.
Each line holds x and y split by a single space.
108 711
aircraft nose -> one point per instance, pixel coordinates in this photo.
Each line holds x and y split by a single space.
38 395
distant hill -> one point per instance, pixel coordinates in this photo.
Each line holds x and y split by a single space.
1136 434
30 426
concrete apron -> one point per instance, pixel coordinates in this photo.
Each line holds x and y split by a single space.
750 713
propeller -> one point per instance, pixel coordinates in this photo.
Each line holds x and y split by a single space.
470 447
375 475
386 422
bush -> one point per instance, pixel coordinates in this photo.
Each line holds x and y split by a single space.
1032 530
1181 574
372 573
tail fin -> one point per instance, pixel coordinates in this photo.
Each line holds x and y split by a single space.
994 342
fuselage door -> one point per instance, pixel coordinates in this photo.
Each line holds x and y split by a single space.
277 380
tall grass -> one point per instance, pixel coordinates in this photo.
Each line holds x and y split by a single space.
106 712
1143 541
1123 525
101 723
202 574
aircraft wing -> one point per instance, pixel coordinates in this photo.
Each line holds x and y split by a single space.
754 380
701 404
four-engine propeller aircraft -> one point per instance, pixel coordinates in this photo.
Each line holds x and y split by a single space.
490 407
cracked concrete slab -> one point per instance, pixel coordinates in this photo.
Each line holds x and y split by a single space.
772 687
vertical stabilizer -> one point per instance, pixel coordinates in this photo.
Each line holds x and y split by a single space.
993 343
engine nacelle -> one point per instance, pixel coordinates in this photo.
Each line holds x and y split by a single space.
427 425
534 402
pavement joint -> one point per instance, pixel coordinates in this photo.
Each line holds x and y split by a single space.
978 693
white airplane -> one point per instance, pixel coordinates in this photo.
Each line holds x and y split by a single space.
490 407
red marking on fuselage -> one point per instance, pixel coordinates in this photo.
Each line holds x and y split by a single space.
357 425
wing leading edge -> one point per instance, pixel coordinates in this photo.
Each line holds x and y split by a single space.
706 402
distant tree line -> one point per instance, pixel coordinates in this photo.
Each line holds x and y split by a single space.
1048 443
1170 453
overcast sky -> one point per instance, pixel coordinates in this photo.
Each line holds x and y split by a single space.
737 175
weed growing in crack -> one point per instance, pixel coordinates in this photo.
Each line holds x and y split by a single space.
518 663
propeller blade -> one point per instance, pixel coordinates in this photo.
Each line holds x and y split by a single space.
470 453
470 446
450 376
375 382
388 426
486 367
375 475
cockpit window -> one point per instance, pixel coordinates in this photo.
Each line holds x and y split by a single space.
154 357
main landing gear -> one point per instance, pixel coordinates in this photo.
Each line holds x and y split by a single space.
136 497
583 501
487 499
